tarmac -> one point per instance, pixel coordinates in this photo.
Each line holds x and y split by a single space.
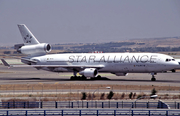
33 76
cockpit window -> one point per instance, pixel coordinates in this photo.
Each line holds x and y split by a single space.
167 60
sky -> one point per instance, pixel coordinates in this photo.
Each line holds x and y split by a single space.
89 21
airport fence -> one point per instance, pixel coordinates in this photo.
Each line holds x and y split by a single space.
87 104
89 112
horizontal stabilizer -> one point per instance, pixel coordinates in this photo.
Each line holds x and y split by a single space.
21 58
5 63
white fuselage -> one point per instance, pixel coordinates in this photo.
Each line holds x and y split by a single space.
112 62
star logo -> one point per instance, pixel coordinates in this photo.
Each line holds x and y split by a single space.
27 39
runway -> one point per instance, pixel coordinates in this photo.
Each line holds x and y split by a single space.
33 76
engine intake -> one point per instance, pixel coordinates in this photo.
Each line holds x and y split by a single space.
42 48
89 72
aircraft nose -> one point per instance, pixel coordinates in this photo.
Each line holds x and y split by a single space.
178 63
178 66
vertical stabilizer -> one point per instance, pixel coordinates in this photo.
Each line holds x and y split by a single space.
28 37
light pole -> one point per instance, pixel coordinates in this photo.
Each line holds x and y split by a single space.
152 96
109 93
78 97
13 90
28 90
40 95
56 83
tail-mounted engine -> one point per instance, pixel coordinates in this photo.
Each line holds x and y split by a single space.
36 49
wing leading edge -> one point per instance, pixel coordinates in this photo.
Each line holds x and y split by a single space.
55 66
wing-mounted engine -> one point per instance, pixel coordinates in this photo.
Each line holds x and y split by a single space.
37 49
89 72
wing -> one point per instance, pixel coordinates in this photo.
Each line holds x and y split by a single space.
53 66
20 58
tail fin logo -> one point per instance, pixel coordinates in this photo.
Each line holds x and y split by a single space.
27 39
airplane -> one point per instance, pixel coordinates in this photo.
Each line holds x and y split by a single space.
89 64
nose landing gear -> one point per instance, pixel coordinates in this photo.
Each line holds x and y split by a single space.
153 77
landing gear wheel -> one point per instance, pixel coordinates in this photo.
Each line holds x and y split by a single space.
173 70
99 77
153 79
83 77
78 78
73 78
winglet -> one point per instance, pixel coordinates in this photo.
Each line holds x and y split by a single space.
5 63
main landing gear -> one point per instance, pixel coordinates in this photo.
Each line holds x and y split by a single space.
78 77
173 70
85 78
75 77
153 77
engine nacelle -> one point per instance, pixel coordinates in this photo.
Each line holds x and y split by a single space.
89 72
121 74
41 48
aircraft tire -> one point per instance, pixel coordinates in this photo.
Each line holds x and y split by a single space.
78 78
83 77
153 79
72 78
99 77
